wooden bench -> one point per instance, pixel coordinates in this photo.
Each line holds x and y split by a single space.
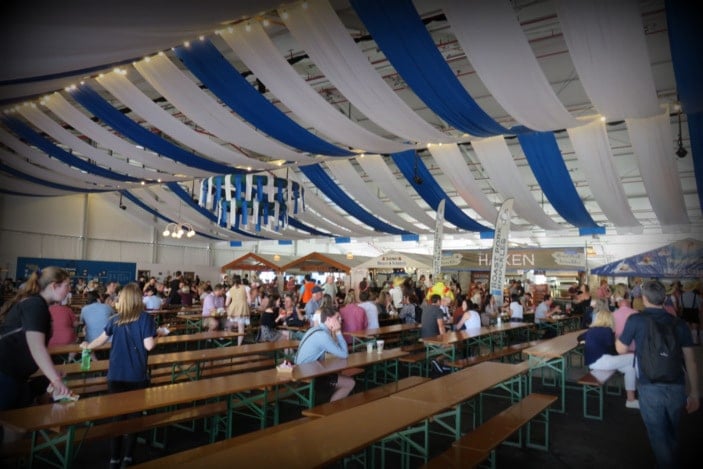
480 444
592 384
354 400
498 354
102 431
189 457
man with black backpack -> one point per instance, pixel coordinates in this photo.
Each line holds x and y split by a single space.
664 345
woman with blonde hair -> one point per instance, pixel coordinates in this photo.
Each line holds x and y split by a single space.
132 330
600 353
237 305
25 329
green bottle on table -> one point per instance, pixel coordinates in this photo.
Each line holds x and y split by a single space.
85 360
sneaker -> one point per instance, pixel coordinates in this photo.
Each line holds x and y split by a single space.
633 404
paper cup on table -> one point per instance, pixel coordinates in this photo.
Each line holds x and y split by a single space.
369 347
379 346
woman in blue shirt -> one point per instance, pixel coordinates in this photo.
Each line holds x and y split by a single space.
132 331
600 354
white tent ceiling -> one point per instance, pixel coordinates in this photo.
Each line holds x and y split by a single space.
554 66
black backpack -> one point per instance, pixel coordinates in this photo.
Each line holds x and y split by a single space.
661 357
418 314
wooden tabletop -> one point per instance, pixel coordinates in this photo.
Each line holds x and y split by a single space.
383 330
450 338
455 388
354 360
188 356
556 347
319 442
161 340
111 405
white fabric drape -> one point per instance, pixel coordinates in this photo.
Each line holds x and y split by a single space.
498 50
201 108
328 43
377 169
126 92
452 163
652 142
607 45
13 184
595 159
59 167
349 178
325 210
495 157
106 139
71 177
101 157
260 55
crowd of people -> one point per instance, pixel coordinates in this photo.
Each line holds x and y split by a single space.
322 314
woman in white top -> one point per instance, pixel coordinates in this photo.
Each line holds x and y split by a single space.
515 309
470 319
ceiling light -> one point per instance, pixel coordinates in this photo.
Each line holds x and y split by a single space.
177 230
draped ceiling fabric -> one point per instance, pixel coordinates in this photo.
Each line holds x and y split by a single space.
495 157
260 55
508 68
326 40
377 169
596 161
303 89
398 29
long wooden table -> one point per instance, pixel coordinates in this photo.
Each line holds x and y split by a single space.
327 439
364 336
188 362
445 345
53 425
219 338
551 354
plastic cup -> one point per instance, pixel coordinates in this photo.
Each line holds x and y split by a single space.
369 347
379 346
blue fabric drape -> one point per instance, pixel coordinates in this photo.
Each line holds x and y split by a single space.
30 136
548 166
129 196
207 63
401 35
185 197
303 227
44 182
685 25
93 102
431 192
322 181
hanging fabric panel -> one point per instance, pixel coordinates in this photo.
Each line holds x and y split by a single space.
319 178
127 93
496 160
327 41
402 36
207 63
351 181
651 140
57 104
452 163
262 57
595 160
607 45
431 192
508 67
93 102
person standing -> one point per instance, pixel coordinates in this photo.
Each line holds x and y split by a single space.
662 403
238 306
621 314
25 328
326 338
132 330
516 310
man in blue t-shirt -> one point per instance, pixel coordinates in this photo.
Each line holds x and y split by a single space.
661 404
